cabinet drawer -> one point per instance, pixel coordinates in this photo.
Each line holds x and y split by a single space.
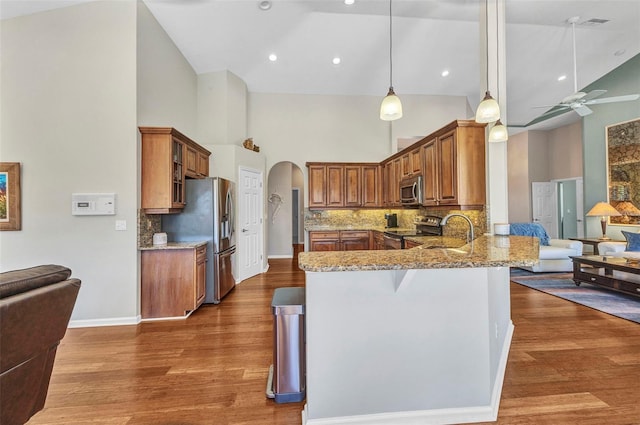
595 279
350 234
315 235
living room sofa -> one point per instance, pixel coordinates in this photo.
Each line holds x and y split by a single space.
629 248
555 254
35 308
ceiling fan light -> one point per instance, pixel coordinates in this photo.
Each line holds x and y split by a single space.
498 133
488 110
391 107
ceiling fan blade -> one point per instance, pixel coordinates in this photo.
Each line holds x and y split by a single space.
549 114
625 98
583 110
593 94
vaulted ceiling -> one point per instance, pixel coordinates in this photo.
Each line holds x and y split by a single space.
429 37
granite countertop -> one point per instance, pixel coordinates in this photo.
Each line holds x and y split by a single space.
485 251
328 228
173 245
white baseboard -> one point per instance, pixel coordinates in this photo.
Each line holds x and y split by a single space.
277 257
116 321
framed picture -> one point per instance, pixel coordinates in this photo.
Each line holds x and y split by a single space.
10 196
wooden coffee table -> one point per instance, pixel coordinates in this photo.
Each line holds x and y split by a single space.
613 273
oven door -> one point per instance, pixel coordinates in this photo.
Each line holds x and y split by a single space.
411 191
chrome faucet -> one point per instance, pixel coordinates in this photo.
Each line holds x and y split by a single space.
448 216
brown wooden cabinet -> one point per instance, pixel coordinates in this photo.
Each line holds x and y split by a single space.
454 168
339 240
410 244
173 281
452 163
343 185
377 240
168 158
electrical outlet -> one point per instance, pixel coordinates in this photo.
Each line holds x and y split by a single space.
121 224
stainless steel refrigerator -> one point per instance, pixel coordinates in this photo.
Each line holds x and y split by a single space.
208 215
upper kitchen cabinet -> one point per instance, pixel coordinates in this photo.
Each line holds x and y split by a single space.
343 185
454 166
168 158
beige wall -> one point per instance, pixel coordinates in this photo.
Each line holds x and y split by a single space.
301 128
68 105
565 146
541 156
222 109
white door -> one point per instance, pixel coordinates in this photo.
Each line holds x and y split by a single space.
544 206
250 227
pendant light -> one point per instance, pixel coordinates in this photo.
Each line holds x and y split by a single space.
498 133
488 110
391 108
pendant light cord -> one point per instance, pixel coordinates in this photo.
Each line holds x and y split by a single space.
486 36
390 47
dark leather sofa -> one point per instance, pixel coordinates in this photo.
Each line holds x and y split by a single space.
35 308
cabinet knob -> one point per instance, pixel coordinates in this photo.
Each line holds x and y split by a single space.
244 230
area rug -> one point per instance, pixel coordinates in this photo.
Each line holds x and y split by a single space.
561 285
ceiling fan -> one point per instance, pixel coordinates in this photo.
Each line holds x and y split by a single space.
579 100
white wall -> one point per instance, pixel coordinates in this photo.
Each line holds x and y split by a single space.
68 115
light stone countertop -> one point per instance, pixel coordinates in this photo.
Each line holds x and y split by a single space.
173 245
485 251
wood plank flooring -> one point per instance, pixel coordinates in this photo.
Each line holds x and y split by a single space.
568 365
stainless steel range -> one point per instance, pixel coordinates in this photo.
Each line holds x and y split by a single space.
428 226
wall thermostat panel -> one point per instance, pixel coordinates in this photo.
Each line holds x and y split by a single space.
93 203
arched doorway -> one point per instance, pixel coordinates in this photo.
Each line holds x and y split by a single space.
285 200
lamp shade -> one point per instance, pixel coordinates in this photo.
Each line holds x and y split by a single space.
488 110
498 133
391 107
627 208
603 209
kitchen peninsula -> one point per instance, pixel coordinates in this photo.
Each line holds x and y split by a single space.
410 336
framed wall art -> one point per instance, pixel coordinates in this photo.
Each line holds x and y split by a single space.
10 196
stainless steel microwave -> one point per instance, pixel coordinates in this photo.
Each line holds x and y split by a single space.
411 191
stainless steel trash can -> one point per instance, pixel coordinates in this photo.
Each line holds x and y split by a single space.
287 374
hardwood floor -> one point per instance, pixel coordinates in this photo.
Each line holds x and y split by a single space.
568 365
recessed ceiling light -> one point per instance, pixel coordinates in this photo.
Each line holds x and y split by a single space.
349 2
445 73
562 78
336 61
273 57
264 5
619 52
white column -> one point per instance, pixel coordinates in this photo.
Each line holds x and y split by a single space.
492 50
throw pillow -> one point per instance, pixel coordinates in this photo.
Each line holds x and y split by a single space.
633 241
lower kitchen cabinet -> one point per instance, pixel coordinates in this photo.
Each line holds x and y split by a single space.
339 240
173 281
377 240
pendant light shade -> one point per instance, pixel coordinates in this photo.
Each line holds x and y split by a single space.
498 133
391 107
488 110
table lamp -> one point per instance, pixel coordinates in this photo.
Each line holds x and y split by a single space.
627 209
604 210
